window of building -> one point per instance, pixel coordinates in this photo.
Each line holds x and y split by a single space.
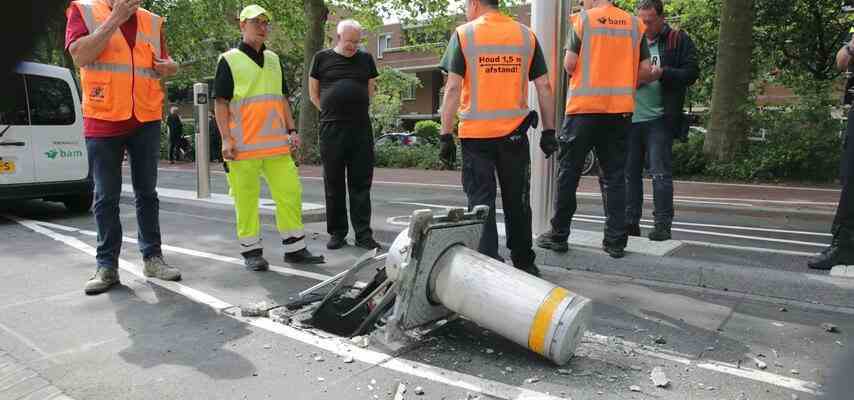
409 93
383 44
13 105
51 101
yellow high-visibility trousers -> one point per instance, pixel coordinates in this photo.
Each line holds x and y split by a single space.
282 176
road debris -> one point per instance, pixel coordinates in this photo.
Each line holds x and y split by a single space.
741 396
320 379
318 358
401 389
509 369
795 372
635 388
348 360
419 391
828 327
784 309
760 364
659 378
489 351
659 340
533 379
564 371
260 309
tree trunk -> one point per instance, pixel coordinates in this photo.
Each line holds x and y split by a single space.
729 123
315 15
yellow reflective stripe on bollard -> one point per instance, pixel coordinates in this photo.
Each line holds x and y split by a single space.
543 320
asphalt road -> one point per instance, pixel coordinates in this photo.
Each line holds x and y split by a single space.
155 340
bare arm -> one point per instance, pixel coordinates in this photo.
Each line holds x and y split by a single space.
546 96
314 92
86 50
372 87
569 62
451 101
843 58
223 115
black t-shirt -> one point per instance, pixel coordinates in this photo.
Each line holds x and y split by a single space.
344 84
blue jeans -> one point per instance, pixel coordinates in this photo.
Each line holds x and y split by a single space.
105 162
650 146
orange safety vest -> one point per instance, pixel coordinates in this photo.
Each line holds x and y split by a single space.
499 52
122 82
257 107
606 75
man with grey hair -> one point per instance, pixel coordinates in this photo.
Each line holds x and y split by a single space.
341 85
176 130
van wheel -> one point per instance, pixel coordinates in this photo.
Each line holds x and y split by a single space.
80 203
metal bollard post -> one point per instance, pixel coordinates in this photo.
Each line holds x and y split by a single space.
203 158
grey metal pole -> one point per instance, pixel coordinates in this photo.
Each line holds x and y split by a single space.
203 158
548 20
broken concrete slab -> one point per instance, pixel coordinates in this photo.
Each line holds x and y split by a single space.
659 379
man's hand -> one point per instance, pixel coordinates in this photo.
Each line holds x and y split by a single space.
548 142
655 73
165 68
295 140
448 149
229 149
124 9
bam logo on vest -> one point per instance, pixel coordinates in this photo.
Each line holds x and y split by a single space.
500 64
611 21
97 93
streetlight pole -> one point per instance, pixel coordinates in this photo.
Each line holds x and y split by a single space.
548 20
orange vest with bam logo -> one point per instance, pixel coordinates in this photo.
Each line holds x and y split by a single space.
122 82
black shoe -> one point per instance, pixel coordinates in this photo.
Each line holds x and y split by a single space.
531 269
615 251
549 241
633 229
661 232
256 263
303 257
336 242
369 244
831 257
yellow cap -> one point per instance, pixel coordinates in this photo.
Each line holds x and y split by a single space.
253 11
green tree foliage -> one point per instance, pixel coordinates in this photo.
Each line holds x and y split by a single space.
387 101
428 131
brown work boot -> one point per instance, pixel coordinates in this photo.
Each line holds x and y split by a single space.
103 280
156 267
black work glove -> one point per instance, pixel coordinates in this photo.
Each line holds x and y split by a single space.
548 142
448 150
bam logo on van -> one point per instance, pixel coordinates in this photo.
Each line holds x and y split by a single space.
53 154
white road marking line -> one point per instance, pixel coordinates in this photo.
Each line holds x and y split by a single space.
337 346
747 248
733 227
217 198
721 367
425 371
600 220
221 258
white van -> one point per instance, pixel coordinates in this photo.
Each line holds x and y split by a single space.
42 148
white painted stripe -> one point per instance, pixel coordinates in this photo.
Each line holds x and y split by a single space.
337 346
721 367
218 198
225 259
733 227
748 248
23 339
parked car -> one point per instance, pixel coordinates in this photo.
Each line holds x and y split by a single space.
400 139
42 148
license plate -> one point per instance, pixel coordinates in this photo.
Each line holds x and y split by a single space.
7 167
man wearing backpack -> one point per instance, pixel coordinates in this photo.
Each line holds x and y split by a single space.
658 119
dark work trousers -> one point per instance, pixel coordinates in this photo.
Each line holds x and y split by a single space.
509 157
650 146
105 162
606 135
347 152
844 220
174 143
